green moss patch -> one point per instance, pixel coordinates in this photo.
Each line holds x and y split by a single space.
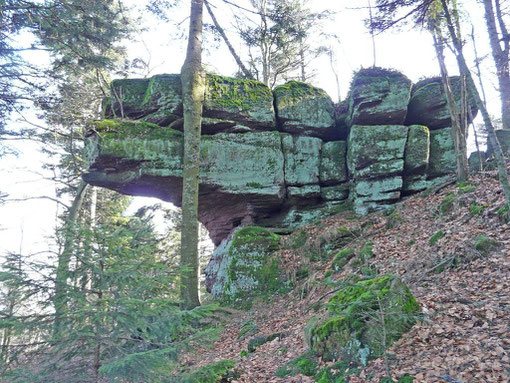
365 318
122 129
436 237
305 364
211 373
486 245
342 258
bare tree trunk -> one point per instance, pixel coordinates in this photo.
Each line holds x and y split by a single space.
59 300
493 19
221 31
302 61
462 172
372 33
498 153
335 73
193 89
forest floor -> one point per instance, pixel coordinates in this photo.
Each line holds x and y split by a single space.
463 291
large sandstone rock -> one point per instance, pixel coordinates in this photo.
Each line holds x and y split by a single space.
428 104
442 160
333 168
354 331
244 265
241 175
376 151
417 150
230 105
379 96
302 159
305 110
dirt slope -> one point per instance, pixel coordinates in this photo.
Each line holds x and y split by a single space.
434 243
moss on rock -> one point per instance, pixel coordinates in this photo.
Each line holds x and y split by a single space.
248 266
416 158
378 96
355 331
305 110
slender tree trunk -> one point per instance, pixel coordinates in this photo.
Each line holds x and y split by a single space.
193 89
374 52
498 153
493 19
60 298
302 61
458 137
221 31
335 73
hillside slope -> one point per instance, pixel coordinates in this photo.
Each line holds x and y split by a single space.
450 245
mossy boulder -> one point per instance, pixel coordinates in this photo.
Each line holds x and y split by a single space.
378 96
376 151
476 161
305 110
416 158
428 104
247 102
504 140
364 319
302 159
442 159
230 104
333 168
245 266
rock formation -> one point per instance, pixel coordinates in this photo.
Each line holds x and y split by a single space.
276 159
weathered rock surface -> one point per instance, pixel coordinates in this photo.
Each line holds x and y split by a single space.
278 160
230 105
302 159
354 331
376 151
333 168
305 110
442 153
428 104
379 96
244 265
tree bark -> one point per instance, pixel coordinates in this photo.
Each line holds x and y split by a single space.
60 298
458 137
193 89
221 31
498 153
501 56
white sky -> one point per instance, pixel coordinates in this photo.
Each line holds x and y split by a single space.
410 52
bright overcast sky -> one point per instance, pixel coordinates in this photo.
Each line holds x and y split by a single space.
409 51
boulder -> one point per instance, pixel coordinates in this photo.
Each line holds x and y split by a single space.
442 160
248 102
416 158
302 159
504 139
376 151
428 104
378 96
244 266
305 110
333 169
354 331
476 161
241 175
230 105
